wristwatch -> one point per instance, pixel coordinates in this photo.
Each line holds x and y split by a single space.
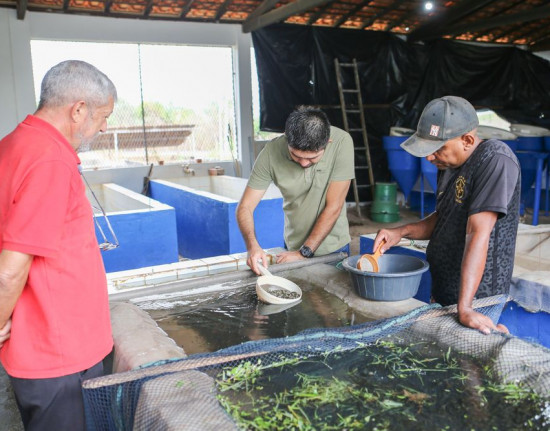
306 251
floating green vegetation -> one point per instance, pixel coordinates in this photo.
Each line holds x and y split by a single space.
383 386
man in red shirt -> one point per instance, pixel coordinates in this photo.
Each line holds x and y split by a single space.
55 326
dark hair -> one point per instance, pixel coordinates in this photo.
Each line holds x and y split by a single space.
307 129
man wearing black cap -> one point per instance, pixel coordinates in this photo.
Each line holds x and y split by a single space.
473 230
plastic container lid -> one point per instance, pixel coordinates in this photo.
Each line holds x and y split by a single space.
488 132
528 130
401 131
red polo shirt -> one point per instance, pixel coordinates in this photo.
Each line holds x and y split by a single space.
61 323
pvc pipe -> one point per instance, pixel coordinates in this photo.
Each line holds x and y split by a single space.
219 279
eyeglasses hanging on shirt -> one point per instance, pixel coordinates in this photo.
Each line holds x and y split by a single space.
97 208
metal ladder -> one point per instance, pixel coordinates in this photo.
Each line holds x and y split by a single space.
359 143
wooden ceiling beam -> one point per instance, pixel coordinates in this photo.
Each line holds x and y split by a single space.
499 34
352 12
21 9
534 14
187 8
370 21
541 45
500 11
534 34
315 16
148 8
399 21
514 32
222 10
438 23
264 7
281 13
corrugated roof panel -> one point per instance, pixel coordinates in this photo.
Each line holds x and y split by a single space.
53 4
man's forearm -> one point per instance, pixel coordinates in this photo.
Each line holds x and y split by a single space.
478 233
473 265
422 229
335 201
323 226
9 294
14 270
245 220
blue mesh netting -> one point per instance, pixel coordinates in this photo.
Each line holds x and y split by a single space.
180 392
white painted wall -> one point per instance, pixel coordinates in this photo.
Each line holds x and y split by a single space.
16 81
133 177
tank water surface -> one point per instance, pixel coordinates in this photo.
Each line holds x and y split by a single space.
209 322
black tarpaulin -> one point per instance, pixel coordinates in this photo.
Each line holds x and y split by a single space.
296 67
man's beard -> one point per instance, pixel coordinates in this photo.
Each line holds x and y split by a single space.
85 143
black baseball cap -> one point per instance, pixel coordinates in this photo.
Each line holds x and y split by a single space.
442 119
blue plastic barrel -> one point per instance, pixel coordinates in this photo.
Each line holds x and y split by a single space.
404 167
430 172
547 143
530 143
512 144
528 166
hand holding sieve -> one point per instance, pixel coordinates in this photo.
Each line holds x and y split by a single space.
369 262
276 290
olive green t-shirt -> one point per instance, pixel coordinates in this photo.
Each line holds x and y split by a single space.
304 190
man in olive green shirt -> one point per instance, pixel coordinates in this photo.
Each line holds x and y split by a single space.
312 164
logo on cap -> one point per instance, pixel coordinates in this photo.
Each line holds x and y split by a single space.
434 130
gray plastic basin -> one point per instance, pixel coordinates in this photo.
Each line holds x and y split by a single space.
398 279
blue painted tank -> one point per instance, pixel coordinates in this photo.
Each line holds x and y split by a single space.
525 324
404 167
527 315
144 228
205 213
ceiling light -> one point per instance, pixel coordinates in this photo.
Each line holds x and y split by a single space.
428 5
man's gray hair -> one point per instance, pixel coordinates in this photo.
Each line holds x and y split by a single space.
74 80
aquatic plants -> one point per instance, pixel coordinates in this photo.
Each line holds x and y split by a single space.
383 386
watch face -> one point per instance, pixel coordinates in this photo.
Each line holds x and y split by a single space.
306 251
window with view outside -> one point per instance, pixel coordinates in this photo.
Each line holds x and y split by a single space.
175 102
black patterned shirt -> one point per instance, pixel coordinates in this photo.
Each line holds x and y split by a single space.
488 181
